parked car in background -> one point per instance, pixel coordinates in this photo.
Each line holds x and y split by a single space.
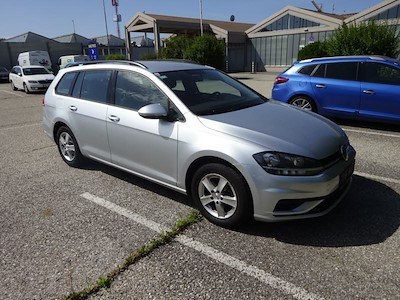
35 58
30 78
4 74
65 60
198 131
355 87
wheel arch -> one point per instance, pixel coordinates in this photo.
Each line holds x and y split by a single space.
57 126
212 159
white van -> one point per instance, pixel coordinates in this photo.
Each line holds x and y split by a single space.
66 59
35 58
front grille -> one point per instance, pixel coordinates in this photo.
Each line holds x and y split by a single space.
331 160
47 81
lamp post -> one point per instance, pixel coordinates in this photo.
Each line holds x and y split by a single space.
105 21
201 17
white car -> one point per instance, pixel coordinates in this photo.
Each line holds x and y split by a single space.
30 78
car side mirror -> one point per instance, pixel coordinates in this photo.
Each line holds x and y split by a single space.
153 111
19 74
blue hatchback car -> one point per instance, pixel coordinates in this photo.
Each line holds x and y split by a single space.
356 87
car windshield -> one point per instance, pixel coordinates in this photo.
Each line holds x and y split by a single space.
2 69
209 92
35 71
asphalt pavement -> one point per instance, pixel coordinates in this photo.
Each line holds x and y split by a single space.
64 228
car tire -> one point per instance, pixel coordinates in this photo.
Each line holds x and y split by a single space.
221 195
303 102
68 147
26 89
13 86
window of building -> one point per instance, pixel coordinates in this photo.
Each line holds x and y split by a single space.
290 22
391 13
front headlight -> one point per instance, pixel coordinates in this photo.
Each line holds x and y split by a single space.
284 164
32 81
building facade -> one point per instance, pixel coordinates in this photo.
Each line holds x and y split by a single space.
275 42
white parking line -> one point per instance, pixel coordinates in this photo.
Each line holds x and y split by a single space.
372 132
380 178
15 94
221 257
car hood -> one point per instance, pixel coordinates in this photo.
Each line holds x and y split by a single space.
39 77
276 126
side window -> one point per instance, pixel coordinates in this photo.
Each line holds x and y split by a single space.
343 71
76 92
381 73
320 72
134 91
307 70
95 85
64 85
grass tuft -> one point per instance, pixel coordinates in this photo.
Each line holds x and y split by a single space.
162 239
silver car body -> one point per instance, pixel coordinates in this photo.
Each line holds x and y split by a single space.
163 151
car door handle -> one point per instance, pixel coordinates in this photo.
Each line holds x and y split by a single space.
114 118
73 108
369 92
320 86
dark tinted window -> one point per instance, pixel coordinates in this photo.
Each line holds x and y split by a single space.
76 92
381 73
320 72
64 86
95 85
134 91
344 71
307 70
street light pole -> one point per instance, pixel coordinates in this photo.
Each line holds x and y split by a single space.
105 21
201 17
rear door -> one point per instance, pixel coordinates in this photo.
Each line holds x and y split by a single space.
380 92
337 89
87 111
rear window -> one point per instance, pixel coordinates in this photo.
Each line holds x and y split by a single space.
65 84
95 85
307 70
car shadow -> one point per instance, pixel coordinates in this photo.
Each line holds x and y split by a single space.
140 182
369 214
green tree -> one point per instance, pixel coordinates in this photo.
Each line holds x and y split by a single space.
207 50
316 49
368 38
115 57
175 47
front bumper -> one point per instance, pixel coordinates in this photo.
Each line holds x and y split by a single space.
280 198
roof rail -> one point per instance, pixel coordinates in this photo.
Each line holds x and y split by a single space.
120 62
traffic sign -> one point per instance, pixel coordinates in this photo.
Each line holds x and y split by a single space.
93 55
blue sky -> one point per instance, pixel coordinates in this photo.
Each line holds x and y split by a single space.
53 18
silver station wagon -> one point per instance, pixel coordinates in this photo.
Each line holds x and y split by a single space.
198 131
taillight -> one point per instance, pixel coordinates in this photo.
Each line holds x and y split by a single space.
43 101
279 80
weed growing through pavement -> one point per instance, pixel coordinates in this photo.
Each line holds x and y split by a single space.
162 239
